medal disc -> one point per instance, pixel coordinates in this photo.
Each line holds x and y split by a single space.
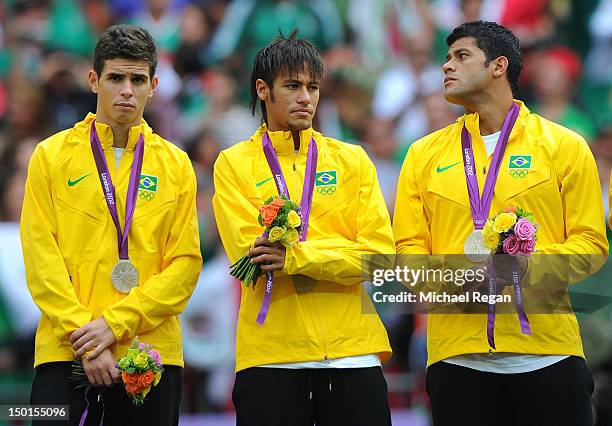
474 247
124 276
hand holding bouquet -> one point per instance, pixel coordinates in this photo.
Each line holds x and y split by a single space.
511 232
283 221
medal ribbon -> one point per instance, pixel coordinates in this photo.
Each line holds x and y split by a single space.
305 204
518 301
480 206
109 189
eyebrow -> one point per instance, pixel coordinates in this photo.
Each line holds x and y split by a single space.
123 74
294 81
458 51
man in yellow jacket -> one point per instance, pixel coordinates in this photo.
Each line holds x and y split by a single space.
110 241
526 379
313 356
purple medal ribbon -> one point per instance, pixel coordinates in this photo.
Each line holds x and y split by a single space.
86 412
480 207
518 301
109 189
281 186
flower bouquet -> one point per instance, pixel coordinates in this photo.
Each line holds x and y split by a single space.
283 221
141 369
511 232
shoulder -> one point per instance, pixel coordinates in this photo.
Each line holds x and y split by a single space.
166 150
347 152
554 134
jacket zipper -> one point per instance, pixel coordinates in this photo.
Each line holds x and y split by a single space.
318 324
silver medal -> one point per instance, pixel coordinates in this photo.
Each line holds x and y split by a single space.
124 276
474 247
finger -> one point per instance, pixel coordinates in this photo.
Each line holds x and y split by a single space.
90 378
267 259
78 334
107 378
97 379
95 352
272 267
258 251
115 374
85 348
82 341
261 241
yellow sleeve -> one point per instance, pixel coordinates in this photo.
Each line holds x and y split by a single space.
340 260
235 215
46 273
410 227
165 294
585 248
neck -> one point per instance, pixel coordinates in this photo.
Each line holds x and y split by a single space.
296 139
120 131
491 111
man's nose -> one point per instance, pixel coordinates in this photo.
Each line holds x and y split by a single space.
304 96
448 66
126 89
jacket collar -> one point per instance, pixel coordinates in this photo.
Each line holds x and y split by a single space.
471 122
105 132
282 141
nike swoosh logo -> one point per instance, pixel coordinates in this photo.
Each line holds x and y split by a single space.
74 182
441 169
258 184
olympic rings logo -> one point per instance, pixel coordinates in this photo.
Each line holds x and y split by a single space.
519 173
326 190
146 195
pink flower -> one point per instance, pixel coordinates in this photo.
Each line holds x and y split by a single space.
524 229
511 245
527 247
142 346
156 356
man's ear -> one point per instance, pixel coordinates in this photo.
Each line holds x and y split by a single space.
93 81
154 83
263 90
500 66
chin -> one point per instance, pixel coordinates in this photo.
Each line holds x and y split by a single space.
300 125
453 98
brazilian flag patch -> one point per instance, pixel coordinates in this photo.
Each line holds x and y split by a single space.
522 162
326 178
148 183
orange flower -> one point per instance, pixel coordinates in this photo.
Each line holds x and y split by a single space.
146 379
510 209
278 203
129 378
268 214
133 388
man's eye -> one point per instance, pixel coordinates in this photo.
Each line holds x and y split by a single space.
115 77
138 80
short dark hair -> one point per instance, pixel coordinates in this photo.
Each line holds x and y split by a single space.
284 56
126 42
494 40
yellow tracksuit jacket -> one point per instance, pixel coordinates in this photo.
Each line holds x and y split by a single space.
316 308
556 180
70 242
